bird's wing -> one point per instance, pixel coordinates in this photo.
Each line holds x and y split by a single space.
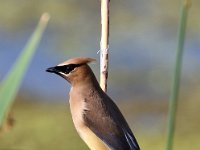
110 126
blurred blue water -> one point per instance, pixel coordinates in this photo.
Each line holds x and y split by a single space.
138 59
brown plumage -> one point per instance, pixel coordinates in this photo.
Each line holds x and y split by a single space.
96 117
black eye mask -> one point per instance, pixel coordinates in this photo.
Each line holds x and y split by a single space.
67 68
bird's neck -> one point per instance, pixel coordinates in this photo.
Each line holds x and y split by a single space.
84 77
87 83
85 88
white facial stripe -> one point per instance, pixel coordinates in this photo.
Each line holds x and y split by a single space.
63 73
62 64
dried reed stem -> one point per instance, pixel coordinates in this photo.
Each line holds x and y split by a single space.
104 44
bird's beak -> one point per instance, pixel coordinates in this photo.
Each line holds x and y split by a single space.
52 70
55 70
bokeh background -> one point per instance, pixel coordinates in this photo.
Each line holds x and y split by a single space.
143 39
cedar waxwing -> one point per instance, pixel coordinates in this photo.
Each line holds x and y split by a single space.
96 117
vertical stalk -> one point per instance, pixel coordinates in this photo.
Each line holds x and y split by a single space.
177 73
104 44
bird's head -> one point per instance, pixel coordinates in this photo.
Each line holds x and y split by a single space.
73 70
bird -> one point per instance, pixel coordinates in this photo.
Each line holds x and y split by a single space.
96 117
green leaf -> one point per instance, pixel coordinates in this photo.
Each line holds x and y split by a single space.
12 81
173 100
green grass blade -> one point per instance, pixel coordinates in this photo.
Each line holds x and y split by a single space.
11 83
177 73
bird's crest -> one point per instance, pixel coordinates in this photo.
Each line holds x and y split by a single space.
78 60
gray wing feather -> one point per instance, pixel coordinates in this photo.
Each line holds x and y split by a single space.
109 125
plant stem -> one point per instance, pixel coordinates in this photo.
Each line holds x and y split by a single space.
104 44
177 73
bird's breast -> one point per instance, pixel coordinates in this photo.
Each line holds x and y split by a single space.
77 107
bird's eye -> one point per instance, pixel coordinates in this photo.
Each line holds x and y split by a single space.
69 68
66 68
